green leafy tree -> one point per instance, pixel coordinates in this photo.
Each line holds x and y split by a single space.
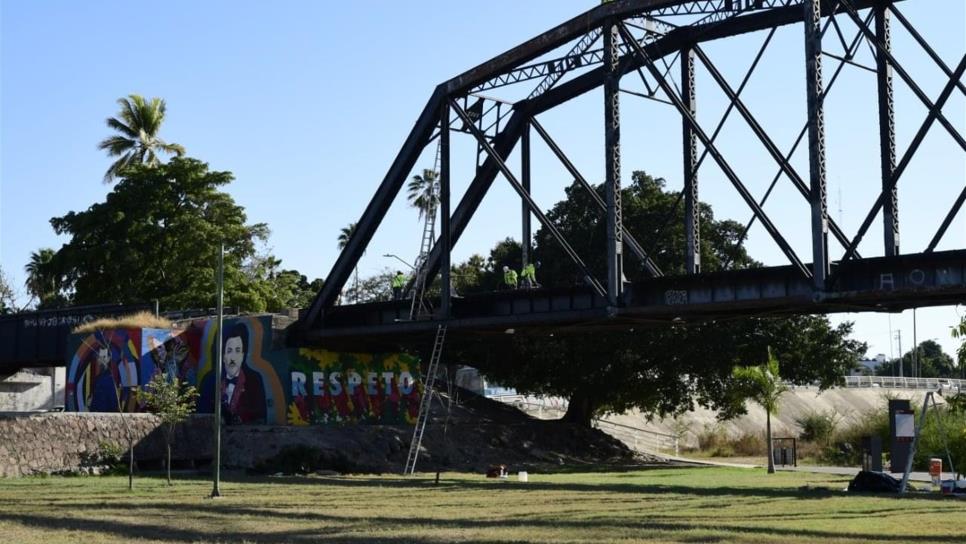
157 236
137 142
928 358
653 215
763 384
423 192
375 288
657 369
7 295
173 402
44 281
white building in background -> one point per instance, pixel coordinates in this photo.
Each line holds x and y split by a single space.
33 389
867 367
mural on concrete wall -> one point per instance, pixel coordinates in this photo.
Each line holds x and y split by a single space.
260 384
104 371
328 387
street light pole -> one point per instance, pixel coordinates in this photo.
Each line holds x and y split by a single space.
398 258
216 490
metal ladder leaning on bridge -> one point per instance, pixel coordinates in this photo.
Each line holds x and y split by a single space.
426 402
420 307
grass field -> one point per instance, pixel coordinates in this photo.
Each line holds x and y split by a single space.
657 505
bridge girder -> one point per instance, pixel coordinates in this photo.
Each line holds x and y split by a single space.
567 77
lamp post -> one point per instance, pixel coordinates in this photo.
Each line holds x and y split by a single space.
216 489
398 258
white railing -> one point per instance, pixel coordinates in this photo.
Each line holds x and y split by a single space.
896 382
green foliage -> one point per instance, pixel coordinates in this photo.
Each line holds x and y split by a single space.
932 363
761 383
375 288
157 236
44 280
137 141
654 214
423 192
818 426
171 400
715 442
7 295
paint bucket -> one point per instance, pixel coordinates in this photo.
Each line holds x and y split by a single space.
522 476
935 469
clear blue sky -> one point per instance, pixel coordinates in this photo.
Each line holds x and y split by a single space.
308 103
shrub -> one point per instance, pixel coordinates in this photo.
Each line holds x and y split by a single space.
817 426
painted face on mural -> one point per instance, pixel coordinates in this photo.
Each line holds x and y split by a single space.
103 357
234 356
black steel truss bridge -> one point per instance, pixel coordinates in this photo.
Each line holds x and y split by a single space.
661 43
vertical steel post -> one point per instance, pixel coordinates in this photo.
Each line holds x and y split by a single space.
692 220
612 162
216 489
816 142
525 181
444 193
887 131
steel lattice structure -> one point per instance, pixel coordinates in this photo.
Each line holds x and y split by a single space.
646 38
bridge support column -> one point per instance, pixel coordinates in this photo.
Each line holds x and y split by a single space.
887 132
444 192
692 220
525 180
816 142
612 163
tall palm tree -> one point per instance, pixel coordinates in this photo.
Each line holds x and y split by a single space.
138 124
424 192
345 234
43 283
764 386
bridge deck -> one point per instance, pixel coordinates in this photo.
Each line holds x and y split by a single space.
876 284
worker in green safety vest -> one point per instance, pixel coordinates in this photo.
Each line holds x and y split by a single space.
528 276
398 282
509 277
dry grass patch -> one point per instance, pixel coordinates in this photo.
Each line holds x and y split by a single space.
140 320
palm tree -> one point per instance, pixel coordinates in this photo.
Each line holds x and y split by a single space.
424 192
763 385
345 234
42 282
138 124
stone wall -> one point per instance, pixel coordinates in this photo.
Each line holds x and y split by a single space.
57 442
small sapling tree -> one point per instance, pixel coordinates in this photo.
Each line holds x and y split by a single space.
763 385
173 402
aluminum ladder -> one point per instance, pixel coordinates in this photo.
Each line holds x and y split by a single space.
420 307
426 402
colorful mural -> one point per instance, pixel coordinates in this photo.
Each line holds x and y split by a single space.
260 385
104 371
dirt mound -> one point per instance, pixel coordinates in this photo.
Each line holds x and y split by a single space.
477 434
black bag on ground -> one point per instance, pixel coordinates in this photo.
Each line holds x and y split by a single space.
874 482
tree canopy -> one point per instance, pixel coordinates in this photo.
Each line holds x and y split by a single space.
157 236
658 369
932 362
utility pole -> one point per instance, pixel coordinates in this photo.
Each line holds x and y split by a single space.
899 338
916 370
216 490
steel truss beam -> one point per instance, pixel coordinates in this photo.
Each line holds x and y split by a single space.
818 194
692 211
649 265
887 132
505 140
718 158
612 163
547 224
935 114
